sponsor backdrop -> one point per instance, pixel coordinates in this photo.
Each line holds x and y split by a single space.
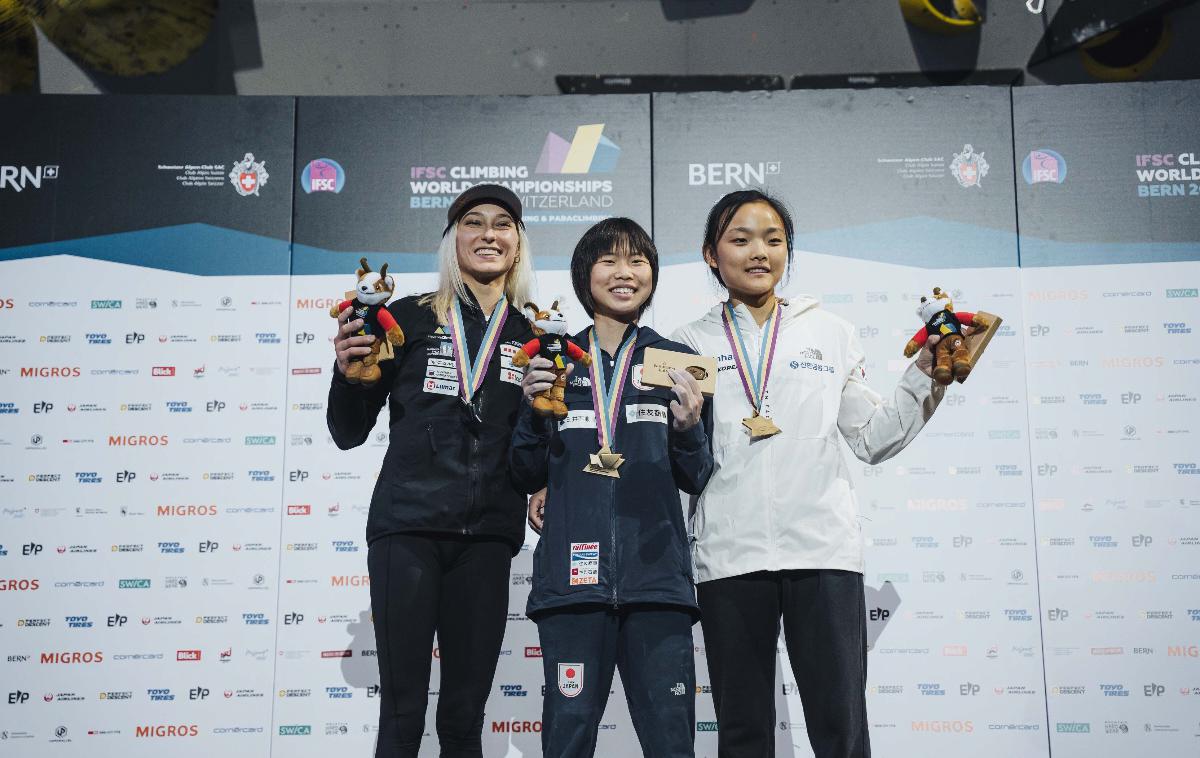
1112 175
181 545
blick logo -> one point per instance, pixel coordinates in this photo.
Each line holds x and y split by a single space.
588 152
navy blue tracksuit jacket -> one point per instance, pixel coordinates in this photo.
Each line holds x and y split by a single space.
635 523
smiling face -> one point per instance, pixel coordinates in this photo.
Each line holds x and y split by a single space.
751 255
487 242
621 282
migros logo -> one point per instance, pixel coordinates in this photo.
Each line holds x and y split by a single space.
350 580
516 727
315 303
13 585
138 440
944 727
167 730
588 152
49 372
72 657
186 510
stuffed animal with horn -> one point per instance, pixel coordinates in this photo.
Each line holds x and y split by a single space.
371 294
551 343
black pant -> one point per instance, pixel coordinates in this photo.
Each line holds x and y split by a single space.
652 648
458 587
825 628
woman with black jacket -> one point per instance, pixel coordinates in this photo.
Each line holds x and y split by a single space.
445 518
612 580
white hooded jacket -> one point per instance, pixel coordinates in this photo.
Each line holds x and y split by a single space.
786 502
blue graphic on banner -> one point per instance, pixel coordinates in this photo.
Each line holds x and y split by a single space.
198 249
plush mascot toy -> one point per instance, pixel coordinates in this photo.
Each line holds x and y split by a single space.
551 343
951 357
370 304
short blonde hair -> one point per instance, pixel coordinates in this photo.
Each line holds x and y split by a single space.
518 283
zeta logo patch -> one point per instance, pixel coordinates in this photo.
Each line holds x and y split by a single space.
570 679
585 563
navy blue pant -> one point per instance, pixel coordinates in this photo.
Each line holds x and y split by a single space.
652 648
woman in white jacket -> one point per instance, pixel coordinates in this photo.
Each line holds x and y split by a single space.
776 530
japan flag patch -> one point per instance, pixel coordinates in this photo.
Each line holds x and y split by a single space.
570 679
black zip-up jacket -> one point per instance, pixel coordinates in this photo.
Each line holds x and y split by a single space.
622 541
446 466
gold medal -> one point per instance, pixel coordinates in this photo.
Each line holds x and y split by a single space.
604 463
606 399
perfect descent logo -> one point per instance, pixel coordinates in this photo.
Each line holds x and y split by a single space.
588 152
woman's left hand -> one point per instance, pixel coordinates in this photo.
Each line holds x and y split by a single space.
688 402
537 506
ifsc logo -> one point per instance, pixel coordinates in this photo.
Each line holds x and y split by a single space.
1044 165
323 175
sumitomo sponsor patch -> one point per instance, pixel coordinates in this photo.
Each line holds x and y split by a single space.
582 419
440 387
585 563
570 679
645 412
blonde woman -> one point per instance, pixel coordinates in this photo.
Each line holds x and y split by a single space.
445 521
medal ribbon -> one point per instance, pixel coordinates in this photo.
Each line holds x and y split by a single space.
471 374
754 383
607 400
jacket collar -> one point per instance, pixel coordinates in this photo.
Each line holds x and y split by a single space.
472 309
792 308
646 337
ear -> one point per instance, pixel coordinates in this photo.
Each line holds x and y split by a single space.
530 310
382 271
364 268
710 257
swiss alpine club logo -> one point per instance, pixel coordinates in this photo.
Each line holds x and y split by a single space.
969 167
570 679
248 175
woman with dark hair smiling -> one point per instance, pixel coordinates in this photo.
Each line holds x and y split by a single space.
445 518
612 581
776 531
